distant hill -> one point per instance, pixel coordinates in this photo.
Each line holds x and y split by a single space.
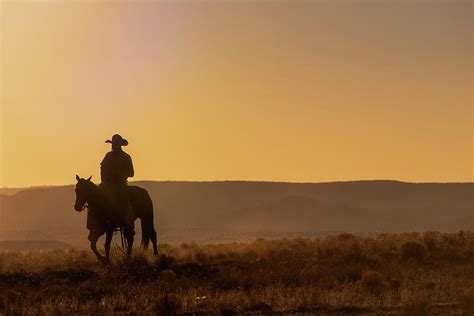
189 210
11 191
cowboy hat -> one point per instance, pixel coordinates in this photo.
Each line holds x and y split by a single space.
118 140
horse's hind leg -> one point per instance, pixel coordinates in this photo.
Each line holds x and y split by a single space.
152 235
108 240
153 240
145 235
148 232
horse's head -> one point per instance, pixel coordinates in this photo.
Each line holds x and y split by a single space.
84 190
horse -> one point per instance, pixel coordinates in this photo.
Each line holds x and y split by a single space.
99 220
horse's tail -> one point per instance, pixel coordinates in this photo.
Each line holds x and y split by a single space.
143 209
147 221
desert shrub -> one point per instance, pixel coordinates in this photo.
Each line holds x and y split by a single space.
260 308
164 262
345 237
167 275
414 250
372 281
430 239
168 305
417 308
394 284
91 290
226 281
201 257
351 274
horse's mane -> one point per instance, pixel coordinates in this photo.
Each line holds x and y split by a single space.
97 190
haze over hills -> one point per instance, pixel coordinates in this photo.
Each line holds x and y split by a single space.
11 191
28 245
196 210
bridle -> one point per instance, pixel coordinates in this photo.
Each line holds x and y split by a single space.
85 205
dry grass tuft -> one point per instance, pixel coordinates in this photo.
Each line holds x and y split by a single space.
414 250
168 305
372 281
417 308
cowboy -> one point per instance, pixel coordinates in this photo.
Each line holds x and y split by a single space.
115 168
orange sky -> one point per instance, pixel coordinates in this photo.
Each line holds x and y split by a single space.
255 90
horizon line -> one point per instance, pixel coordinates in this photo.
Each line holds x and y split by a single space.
253 181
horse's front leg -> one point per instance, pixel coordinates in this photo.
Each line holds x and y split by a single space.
94 249
108 240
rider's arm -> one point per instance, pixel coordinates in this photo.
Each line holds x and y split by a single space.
105 171
130 171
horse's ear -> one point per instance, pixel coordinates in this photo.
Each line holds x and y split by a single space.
89 179
77 178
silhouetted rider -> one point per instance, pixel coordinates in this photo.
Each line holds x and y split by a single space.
115 168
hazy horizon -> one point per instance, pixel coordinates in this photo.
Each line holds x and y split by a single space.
251 181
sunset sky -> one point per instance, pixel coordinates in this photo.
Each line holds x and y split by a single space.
301 91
